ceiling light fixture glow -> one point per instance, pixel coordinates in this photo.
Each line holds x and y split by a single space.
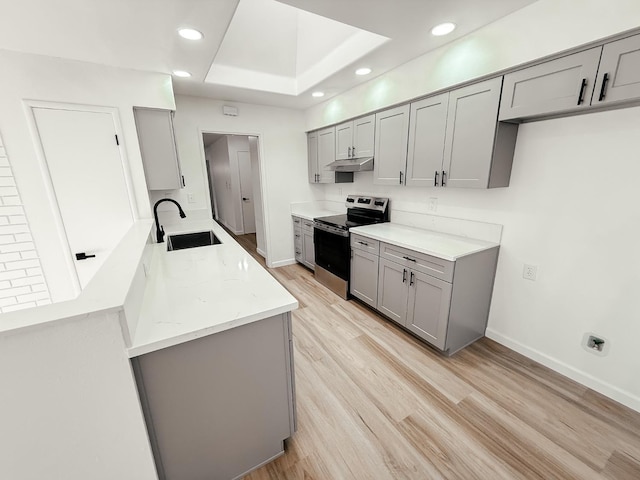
363 71
443 29
190 34
181 73
317 94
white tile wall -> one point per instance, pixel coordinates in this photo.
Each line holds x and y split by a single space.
22 284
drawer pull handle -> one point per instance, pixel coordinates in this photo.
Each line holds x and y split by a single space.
410 259
411 282
297 236
582 87
363 243
404 275
603 90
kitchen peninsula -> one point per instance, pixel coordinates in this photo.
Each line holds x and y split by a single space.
208 333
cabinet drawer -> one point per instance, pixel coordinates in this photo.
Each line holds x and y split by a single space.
297 222
307 225
421 262
366 244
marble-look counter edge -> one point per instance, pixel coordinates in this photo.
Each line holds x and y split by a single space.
155 333
393 234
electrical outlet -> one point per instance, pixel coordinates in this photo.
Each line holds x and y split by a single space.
432 204
594 343
191 198
530 272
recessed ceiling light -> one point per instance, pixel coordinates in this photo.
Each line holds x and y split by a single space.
363 71
190 34
317 94
181 73
443 29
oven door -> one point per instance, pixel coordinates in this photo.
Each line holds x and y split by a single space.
332 251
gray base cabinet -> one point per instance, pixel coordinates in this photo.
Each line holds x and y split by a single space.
364 270
444 303
219 406
303 242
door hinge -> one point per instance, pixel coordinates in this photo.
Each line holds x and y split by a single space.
117 141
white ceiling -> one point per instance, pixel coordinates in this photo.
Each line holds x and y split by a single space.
297 51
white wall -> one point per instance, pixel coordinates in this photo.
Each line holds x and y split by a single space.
69 408
570 208
542 28
36 77
283 161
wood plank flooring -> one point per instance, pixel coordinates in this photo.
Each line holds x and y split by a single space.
375 403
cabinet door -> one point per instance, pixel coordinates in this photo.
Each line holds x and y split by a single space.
364 276
392 132
471 129
364 136
561 85
428 308
308 249
326 154
158 148
427 126
312 147
621 65
344 141
392 290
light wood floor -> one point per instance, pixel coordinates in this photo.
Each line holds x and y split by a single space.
375 403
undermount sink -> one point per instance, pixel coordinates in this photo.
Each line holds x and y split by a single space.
192 240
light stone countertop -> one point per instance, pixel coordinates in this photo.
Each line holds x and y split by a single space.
200 291
309 211
441 245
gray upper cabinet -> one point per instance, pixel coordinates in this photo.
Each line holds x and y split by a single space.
392 129
355 139
321 146
427 127
312 147
478 149
561 85
344 141
619 73
326 149
158 148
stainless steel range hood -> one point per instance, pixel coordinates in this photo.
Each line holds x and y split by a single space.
363 164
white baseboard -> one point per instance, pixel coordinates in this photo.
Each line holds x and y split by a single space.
261 253
281 263
573 373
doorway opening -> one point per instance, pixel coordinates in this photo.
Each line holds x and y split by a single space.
234 180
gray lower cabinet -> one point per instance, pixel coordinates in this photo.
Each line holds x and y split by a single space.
619 72
363 283
219 406
443 302
303 242
560 85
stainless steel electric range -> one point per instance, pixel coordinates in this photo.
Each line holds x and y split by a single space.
331 239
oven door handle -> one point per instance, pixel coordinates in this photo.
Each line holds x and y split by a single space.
330 229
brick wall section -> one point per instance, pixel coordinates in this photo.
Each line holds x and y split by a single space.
22 283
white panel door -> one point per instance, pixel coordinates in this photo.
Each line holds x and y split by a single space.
86 169
246 192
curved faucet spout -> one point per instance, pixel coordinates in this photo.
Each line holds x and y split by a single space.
159 229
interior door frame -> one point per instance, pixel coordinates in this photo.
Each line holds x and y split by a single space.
29 106
261 173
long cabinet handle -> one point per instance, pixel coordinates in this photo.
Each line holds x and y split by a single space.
603 90
411 282
401 177
349 152
582 87
404 275
363 243
353 151
435 180
444 179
